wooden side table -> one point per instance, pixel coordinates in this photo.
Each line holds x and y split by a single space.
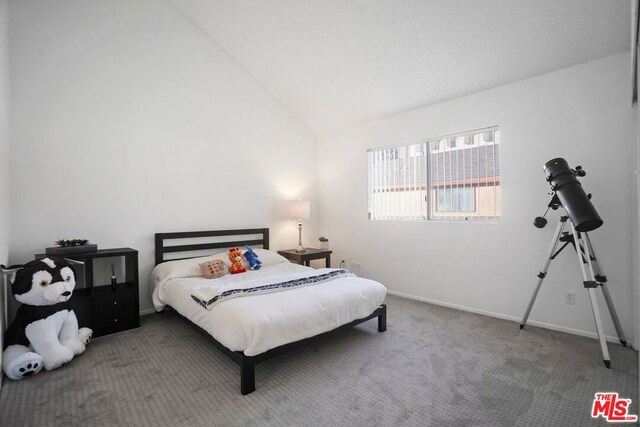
308 255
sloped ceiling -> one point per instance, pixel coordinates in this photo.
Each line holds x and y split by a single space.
337 62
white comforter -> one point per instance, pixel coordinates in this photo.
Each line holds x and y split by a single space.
257 323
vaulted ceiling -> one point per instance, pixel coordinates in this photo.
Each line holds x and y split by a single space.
337 62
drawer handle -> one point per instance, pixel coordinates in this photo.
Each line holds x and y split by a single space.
115 320
115 302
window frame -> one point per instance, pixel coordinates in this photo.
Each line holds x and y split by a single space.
431 200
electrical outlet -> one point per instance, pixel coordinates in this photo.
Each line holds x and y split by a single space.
570 297
356 264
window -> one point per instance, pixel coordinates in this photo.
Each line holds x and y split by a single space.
396 182
456 177
452 199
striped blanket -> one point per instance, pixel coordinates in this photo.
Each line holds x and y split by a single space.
209 297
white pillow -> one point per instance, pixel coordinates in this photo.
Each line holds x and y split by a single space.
184 267
269 257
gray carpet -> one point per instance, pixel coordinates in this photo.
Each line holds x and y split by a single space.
433 366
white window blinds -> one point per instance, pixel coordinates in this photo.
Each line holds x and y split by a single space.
397 188
456 177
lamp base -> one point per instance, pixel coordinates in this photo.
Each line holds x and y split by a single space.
300 248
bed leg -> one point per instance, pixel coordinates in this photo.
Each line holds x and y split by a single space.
382 319
247 376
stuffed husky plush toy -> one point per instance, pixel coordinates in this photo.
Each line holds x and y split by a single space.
43 333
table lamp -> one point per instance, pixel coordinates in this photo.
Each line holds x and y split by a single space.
300 209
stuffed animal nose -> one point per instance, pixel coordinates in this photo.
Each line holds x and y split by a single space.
66 293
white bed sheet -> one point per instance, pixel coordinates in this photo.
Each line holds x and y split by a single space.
255 324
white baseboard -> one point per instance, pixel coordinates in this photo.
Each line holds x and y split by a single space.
147 311
550 326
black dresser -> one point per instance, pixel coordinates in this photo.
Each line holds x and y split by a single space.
100 306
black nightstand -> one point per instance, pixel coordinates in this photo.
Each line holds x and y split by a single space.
308 255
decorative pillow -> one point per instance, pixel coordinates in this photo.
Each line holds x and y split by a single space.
214 268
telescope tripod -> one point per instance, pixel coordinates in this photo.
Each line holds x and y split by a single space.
592 275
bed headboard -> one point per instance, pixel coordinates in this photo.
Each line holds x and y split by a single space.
223 243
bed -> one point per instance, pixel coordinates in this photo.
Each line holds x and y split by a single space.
257 327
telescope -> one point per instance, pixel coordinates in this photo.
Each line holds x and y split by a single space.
567 191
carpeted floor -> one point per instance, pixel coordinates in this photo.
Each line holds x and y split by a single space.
434 366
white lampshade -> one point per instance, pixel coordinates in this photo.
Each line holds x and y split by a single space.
300 209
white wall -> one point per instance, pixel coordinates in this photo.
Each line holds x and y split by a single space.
127 120
582 113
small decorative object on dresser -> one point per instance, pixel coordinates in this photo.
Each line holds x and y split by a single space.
72 246
114 279
324 243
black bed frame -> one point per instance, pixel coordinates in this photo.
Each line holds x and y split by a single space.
247 363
